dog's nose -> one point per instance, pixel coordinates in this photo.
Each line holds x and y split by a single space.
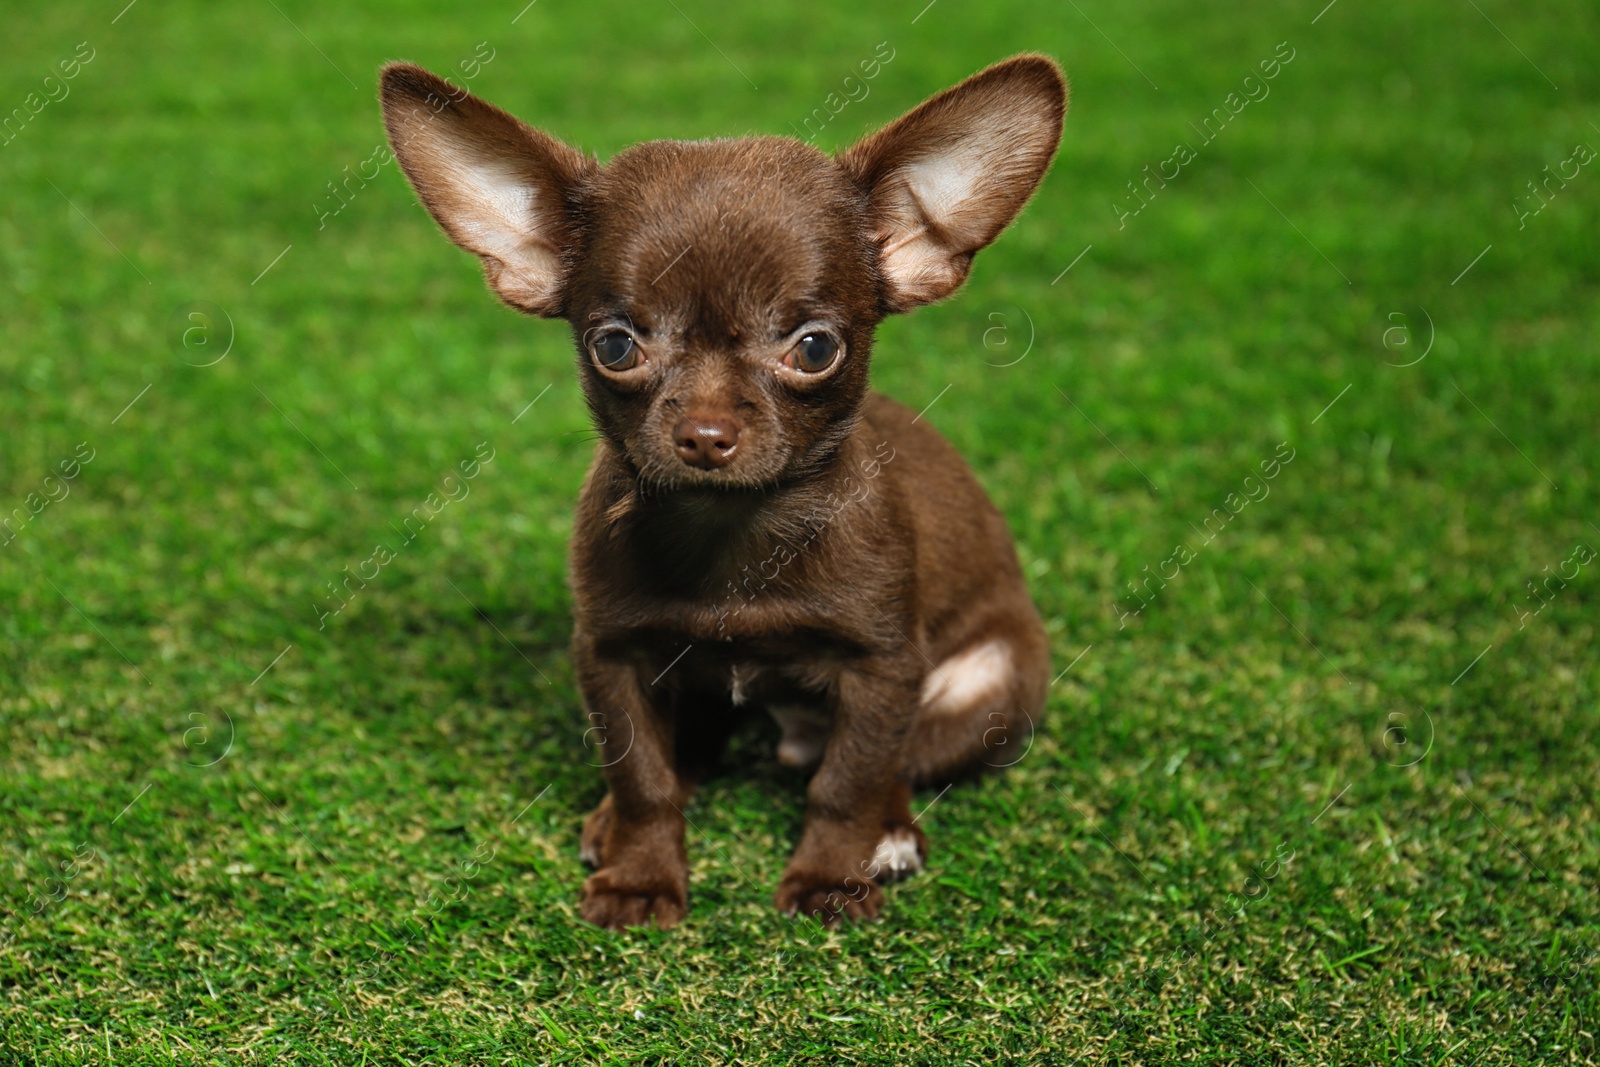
706 442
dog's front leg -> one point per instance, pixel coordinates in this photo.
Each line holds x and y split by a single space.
635 837
856 793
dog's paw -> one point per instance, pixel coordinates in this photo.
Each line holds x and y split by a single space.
829 899
616 898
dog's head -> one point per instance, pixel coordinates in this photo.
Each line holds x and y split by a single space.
723 294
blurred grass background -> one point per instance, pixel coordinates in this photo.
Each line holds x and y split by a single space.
230 836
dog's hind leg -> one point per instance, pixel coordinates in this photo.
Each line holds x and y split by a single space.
982 703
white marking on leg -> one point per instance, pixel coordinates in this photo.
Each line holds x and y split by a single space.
897 856
962 681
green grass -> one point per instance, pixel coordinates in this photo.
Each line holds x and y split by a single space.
368 852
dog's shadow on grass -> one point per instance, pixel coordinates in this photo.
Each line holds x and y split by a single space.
509 664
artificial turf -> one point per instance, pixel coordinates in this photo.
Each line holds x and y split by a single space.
1323 792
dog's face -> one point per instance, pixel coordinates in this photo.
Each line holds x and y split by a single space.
723 294
723 300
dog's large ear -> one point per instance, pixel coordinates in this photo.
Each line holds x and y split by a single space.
945 178
501 189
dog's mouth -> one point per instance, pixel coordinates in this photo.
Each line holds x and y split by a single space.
659 472
688 480
704 458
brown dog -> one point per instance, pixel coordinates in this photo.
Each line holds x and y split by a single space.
758 530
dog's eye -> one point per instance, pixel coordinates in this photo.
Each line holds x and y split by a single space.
814 353
615 350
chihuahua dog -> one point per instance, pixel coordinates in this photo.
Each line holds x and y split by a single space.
758 530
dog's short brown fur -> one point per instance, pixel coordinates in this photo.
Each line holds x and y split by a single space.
757 529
